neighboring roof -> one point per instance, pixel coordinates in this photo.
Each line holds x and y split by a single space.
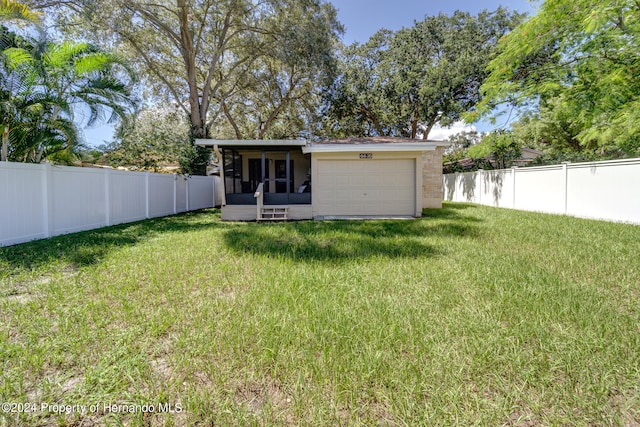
528 155
251 142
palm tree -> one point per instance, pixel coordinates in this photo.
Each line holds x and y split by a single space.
43 84
11 12
14 11
88 79
28 112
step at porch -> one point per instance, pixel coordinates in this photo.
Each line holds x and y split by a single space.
274 213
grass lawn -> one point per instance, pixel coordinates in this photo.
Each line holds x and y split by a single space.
468 316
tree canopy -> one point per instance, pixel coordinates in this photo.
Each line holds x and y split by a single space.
403 83
156 138
44 82
578 64
238 68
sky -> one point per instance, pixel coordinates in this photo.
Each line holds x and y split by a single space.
362 18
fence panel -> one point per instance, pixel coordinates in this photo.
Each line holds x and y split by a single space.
540 190
605 190
200 192
22 203
160 195
127 195
78 199
181 194
608 190
39 201
496 188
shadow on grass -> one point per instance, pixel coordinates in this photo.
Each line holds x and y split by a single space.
89 247
333 241
305 240
451 210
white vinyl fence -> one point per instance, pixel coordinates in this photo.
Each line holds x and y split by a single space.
40 200
608 190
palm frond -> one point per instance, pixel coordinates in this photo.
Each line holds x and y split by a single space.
14 11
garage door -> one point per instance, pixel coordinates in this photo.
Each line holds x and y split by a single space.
366 187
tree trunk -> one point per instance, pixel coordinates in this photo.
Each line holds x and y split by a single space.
5 144
374 120
414 122
430 125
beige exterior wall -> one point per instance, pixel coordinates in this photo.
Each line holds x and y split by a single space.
416 156
432 178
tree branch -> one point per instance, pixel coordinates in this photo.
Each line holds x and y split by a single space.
227 114
152 66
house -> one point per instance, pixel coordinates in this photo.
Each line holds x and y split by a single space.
355 177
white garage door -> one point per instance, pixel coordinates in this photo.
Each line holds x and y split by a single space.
366 187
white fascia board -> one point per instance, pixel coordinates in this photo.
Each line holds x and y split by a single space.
251 142
373 148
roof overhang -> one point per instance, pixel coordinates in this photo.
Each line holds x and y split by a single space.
251 142
381 147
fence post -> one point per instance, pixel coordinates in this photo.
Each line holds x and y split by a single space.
513 187
175 193
480 179
565 171
186 192
47 199
107 196
146 194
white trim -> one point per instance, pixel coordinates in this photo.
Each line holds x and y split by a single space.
251 142
371 148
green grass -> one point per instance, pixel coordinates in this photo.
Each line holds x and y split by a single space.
468 316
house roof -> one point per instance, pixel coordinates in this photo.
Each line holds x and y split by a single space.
377 140
373 144
251 142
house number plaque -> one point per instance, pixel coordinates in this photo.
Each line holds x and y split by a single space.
366 155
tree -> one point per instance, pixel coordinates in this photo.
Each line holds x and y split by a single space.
359 102
498 150
155 137
404 83
278 96
43 82
11 12
83 78
206 54
27 111
578 60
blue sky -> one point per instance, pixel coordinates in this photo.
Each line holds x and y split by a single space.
362 18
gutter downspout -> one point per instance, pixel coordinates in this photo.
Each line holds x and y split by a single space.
223 199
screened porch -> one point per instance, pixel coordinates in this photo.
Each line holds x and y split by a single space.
284 171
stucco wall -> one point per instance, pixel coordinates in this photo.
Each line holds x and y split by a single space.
432 178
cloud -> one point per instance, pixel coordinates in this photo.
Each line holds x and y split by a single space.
439 133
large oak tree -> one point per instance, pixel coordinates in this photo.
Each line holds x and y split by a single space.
404 83
247 66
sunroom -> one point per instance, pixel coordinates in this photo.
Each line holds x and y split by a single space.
263 179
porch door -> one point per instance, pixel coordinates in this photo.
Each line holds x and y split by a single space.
281 176
255 174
